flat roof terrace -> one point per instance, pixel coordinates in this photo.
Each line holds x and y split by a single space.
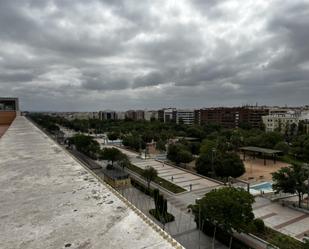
49 200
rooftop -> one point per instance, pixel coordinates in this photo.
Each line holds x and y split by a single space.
49 200
260 150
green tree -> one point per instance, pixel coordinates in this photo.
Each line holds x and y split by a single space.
228 208
224 164
179 153
113 135
149 173
300 147
245 126
86 145
194 147
160 145
283 146
269 139
111 154
184 156
291 180
236 140
203 164
196 132
301 127
231 165
134 142
207 146
123 161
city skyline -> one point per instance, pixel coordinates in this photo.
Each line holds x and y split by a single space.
120 55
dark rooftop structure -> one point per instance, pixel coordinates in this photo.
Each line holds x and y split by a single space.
261 151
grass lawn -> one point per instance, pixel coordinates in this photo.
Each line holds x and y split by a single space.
160 181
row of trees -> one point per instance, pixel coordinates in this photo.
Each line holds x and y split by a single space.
136 134
91 148
86 145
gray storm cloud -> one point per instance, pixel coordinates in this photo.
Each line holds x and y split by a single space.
99 54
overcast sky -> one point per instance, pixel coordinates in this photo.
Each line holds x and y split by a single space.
110 54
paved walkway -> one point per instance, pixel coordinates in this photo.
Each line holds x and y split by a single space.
184 179
284 219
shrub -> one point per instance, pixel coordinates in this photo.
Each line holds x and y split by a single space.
259 226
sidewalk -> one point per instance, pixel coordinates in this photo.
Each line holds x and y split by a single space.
175 175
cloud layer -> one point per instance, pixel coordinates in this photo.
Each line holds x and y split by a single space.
123 54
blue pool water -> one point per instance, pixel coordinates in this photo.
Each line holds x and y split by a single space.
263 186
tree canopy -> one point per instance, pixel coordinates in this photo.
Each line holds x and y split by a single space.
111 154
230 208
86 145
179 153
292 180
149 174
224 164
231 165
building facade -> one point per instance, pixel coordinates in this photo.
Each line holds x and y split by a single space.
167 115
232 117
285 120
121 115
185 117
139 115
107 115
149 115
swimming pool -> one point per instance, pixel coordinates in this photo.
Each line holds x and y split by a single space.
263 187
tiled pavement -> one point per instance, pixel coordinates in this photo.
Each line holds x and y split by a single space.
177 176
283 219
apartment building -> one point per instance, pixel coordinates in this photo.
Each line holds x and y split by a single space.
121 115
167 115
185 117
232 117
149 115
281 119
139 115
107 115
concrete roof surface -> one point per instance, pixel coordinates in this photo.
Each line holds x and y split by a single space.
48 200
